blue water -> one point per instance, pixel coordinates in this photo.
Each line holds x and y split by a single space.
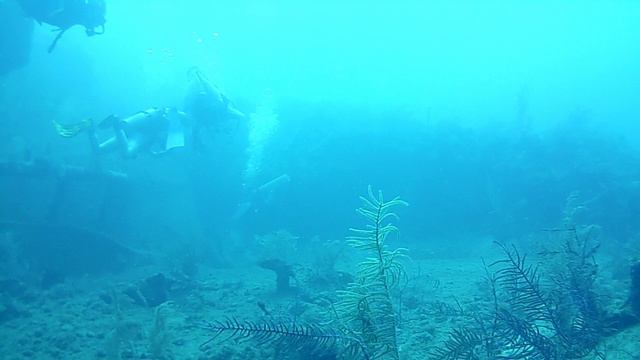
495 120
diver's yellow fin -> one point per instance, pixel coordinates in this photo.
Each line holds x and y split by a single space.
71 130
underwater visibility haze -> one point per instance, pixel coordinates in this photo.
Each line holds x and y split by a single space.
319 179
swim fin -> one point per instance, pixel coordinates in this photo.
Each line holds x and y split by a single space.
71 130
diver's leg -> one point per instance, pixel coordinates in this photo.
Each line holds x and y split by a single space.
93 139
121 138
108 145
128 147
133 147
101 147
234 113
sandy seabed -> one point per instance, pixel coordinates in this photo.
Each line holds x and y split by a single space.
106 317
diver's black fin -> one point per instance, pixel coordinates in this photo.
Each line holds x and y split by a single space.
55 41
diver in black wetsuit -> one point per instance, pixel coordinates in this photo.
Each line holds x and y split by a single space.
65 14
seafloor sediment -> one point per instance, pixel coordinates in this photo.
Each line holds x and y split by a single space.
119 317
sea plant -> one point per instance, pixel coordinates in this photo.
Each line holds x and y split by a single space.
531 316
634 295
291 336
365 321
159 336
365 309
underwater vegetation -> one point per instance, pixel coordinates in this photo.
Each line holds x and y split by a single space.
555 315
365 308
365 321
296 336
535 311
634 298
232 246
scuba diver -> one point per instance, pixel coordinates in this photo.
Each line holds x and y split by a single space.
64 14
158 130
207 106
153 131
206 102
261 197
